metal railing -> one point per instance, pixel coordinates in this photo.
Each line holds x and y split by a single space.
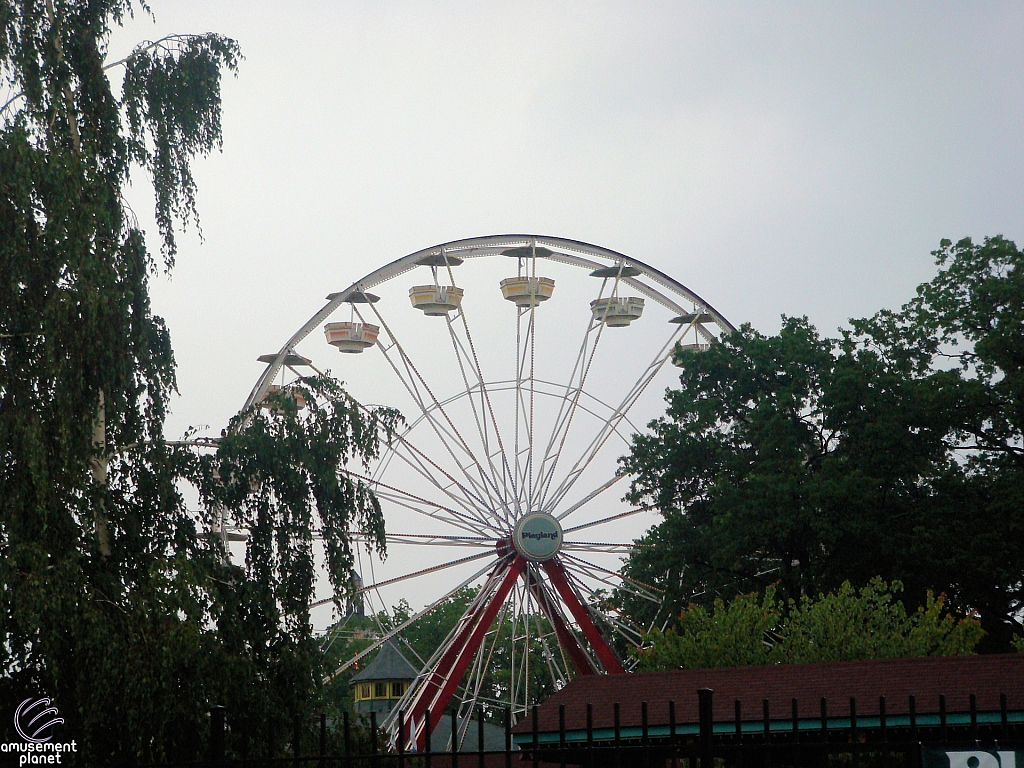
821 736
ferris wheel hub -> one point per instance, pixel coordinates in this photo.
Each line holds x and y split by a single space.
537 537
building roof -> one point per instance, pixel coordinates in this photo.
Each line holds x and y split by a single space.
925 678
389 664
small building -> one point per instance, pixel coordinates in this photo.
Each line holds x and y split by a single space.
379 687
788 713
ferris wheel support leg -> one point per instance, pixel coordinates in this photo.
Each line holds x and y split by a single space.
448 672
580 660
609 660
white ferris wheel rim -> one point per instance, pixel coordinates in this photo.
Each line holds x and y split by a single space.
646 280
575 252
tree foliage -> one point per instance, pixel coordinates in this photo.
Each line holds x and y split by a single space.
893 450
845 625
113 602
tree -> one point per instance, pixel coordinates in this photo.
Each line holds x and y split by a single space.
888 451
845 625
113 602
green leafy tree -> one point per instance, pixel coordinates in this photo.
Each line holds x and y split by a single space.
845 625
113 602
894 450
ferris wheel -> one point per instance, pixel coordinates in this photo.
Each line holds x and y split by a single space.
522 365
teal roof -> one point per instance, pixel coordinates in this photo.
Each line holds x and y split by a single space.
390 664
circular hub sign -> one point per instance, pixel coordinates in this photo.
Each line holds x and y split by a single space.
537 537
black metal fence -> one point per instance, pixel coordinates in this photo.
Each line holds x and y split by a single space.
830 735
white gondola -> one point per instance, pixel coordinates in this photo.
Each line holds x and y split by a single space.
351 338
617 312
527 292
436 300
693 347
289 391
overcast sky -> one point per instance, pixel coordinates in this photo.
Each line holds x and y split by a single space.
775 157
797 158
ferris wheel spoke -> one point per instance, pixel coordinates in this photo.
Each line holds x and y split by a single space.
481 665
590 496
434 540
568 641
617 623
574 387
609 519
600 573
608 428
469 523
413 575
599 546
557 674
417 460
388 634
551 610
446 431
485 396
524 410
422 464
522 643
481 424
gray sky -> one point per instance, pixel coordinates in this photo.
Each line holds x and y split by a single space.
774 157
797 158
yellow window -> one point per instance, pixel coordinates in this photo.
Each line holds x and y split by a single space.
380 690
397 689
364 691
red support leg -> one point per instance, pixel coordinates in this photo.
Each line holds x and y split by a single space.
566 639
607 656
438 689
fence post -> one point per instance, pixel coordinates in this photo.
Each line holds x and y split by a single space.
882 719
216 745
737 707
373 737
643 734
705 714
348 741
1004 733
536 740
672 730
618 736
480 733
942 716
455 737
426 744
561 735
590 735
401 738
854 743
796 734
914 758
824 732
323 740
508 737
